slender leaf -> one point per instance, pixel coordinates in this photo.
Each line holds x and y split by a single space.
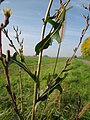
49 90
22 66
53 23
46 42
57 26
69 8
43 44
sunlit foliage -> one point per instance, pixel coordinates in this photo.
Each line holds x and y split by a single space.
85 48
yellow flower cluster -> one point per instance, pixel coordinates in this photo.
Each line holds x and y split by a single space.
7 12
85 47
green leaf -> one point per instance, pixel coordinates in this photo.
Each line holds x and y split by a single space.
46 42
22 66
69 8
48 18
57 37
49 90
43 44
53 23
55 34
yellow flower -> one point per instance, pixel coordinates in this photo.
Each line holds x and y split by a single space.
7 12
83 29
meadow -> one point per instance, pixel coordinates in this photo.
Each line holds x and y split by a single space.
75 88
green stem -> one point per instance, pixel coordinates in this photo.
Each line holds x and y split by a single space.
57 58
36 84
20 71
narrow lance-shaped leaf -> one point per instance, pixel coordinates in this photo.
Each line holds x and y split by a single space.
57 28
49 90
46 42
43 44
12 60
57 25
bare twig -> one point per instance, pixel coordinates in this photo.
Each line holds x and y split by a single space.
11 41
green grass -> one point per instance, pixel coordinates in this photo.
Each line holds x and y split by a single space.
77 83
57 107
85 58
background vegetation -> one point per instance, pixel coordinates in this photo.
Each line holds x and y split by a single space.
41 87
85 48
57 106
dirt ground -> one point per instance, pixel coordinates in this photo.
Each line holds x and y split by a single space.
86 62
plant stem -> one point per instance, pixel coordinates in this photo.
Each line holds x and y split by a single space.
36 84
10 91
57 58
20 72
8 86
0 45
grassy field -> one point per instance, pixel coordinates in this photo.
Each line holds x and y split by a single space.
57 107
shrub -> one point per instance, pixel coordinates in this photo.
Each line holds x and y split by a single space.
85 48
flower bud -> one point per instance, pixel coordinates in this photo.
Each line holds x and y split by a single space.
83 29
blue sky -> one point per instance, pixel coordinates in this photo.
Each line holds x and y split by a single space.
28 14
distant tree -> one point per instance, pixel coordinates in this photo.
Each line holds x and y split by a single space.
34 56
85 47
45 56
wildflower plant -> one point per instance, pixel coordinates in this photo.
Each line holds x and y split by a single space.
57 22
